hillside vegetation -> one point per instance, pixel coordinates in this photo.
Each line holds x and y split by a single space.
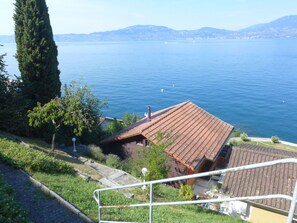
10 210
79 192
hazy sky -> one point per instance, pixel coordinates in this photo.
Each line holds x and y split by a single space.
86 16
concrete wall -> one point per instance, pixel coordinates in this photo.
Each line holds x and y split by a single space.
263 216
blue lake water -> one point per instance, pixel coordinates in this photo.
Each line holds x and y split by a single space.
252 84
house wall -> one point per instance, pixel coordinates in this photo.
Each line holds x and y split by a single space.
176 169
192 181
259 215
125 148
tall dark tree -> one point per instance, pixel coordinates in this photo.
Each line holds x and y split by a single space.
12 103
36 51
3 82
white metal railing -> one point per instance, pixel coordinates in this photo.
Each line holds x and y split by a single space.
151 204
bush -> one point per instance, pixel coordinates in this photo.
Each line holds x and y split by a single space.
233 143
113 160
186 191
114 127
244 136
129 119
154 159
236 133
95 152
30 159
127 166
10 210
275 139
93 137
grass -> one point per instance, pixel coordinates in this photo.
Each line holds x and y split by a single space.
42 146
10 210
80 193
30 159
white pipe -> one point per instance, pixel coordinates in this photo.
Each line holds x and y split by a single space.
217 200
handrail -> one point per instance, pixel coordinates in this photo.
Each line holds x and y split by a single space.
293 198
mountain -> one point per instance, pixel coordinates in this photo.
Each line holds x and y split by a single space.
285 27
287 22
132 33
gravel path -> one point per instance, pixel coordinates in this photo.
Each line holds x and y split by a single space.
40 207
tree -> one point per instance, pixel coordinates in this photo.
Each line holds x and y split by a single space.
3 77
3 90
116 125
129 119
2 64
77 108
154 158
12 103
36 51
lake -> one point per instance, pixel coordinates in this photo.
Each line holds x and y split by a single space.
252 84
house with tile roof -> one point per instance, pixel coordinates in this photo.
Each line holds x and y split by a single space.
197 138
276 179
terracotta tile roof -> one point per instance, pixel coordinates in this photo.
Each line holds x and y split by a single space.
195 134
277 179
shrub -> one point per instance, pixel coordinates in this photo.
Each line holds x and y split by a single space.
275 139
244 136
154 159
236 133
129 119
30 159
233 143
93 137
10 210
113 160
127 166
114 127
95 152
186 191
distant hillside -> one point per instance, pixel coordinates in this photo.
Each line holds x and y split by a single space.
285 27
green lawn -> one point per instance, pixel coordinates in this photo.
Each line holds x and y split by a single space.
80 193
42 146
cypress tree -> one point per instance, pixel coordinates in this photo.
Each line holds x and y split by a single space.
36 51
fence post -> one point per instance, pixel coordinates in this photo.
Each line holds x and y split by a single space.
99 209
293 205
151 202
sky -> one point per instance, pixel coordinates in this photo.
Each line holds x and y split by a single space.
87 16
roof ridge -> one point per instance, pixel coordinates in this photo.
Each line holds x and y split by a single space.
170 111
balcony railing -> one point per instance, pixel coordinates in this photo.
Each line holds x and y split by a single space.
152 204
